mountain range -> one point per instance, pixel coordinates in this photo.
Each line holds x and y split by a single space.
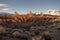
52 12
48 12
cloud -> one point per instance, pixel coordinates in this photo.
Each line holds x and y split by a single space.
4 5
7 9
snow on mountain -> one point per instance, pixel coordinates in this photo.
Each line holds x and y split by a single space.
52 12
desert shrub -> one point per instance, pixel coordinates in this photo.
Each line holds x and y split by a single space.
9 30
16 34
2 29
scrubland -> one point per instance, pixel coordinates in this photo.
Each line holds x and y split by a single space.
28 27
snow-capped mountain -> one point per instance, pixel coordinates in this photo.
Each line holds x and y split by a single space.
52 12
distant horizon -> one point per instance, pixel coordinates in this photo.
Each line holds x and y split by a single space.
31 11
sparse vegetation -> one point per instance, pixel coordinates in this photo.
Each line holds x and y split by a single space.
26 27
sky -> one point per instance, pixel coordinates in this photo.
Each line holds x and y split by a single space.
24 6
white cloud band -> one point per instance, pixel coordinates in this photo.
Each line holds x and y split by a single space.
3 4
7 9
